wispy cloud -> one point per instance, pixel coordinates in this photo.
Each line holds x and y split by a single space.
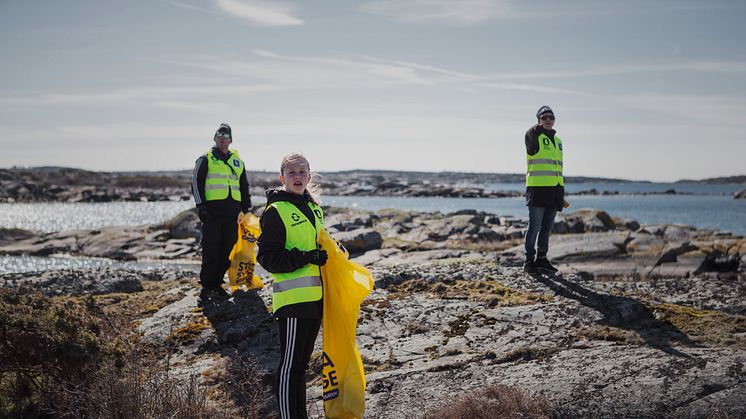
718 109
156 95
722 67
300 72
472 12
533 88
190 6
262 12
200 107
462 12
267 71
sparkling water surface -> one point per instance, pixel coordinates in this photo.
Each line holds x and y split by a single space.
35 263
716 211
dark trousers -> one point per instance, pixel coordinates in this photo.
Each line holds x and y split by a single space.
219 234
540 223
297 337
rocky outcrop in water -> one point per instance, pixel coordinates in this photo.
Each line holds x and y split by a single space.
588 240
58 184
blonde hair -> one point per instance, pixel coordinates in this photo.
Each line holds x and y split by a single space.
312 188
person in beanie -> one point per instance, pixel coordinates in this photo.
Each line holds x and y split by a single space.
545 189
220 186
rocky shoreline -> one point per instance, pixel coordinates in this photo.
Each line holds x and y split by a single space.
636 309
75 185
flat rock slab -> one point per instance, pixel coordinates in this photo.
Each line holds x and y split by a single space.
421 349
76 281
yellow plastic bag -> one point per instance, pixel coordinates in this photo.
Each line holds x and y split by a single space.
346 284
243 256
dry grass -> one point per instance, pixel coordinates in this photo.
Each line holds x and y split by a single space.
130 307
489 291
242 381
79 357
494 402
143 387
609 334
704 326
189 332
527 353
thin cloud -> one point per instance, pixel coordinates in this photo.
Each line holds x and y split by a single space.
462 12
718 109
262 13
269 71
534 88
191 7
321 72
200 107
472 12
723 67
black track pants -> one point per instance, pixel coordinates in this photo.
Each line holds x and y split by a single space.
297 337
219 234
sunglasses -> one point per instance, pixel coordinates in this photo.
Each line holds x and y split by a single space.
223 135
545 117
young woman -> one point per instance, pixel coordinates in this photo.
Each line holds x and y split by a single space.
288 250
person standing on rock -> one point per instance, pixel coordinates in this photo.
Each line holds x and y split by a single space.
220 186
545 189
290 225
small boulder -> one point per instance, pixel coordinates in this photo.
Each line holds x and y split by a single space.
184 225
360 240
718 261
12 235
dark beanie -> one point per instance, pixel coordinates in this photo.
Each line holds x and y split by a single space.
543 111
224 128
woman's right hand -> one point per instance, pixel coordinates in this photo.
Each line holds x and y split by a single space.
316 257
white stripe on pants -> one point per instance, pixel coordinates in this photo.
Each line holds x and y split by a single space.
284 384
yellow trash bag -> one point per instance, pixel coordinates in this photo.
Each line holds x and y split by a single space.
243 256
346 284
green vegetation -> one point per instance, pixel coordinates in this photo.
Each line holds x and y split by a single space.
71 357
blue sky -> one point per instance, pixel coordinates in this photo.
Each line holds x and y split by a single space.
652 90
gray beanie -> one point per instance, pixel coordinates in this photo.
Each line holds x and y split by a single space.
544 110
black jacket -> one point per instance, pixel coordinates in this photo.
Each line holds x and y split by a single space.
542 196
273 255
226 207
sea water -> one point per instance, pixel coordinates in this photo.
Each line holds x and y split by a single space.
716 211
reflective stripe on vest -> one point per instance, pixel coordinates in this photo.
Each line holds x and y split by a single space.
303 284
290 284
545 167
221 180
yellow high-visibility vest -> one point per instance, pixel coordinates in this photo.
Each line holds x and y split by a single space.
222 177
303 284
545 167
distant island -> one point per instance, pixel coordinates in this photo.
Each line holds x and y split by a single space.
737 180
61 184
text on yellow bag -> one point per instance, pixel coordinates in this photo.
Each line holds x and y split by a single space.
243 256
346 284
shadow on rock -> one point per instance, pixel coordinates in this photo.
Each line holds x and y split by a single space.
622 312
247 336
243 325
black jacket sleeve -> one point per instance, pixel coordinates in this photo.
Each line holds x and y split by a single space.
532 140
198 180
272 253
245 194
